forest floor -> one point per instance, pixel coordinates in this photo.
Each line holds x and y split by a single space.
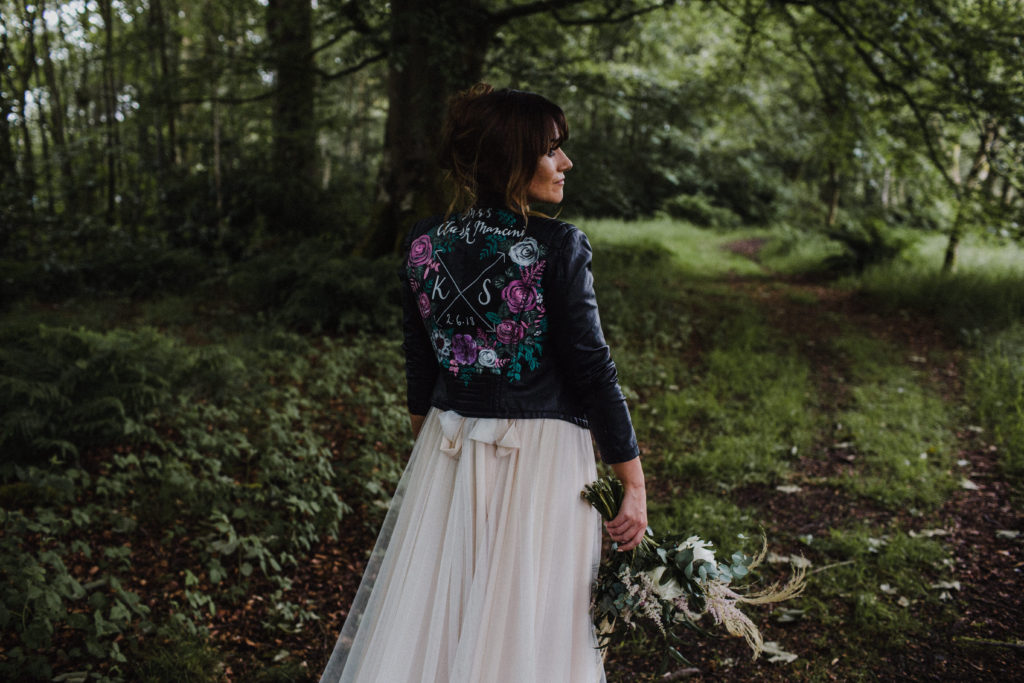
976 634
985 638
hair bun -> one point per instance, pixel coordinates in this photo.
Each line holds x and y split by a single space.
460 101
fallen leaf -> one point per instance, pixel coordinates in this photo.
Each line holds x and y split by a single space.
777 654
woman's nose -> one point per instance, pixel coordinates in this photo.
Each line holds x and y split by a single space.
566 162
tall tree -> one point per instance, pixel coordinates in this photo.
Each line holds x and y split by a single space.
956 66
293 154
435 49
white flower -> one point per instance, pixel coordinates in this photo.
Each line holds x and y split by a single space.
487 358
442 344
666 591
524 252
701 549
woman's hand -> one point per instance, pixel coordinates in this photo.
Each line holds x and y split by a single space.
630 525
416 422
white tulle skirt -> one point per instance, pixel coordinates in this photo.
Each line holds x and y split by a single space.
483 568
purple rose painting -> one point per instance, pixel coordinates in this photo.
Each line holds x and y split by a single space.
420 251
464 349
520 296
510 331
424 303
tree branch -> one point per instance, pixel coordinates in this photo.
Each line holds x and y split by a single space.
898 88
361 64
536 7
610 17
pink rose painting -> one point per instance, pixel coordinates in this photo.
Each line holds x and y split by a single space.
420 251
510 331
424 303
520 296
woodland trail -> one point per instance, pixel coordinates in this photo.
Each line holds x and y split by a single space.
978 522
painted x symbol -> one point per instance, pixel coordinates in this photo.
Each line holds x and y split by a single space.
461 290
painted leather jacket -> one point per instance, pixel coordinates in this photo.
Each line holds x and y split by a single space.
501 320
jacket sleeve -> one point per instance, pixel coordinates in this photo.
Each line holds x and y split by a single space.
421 368
590 371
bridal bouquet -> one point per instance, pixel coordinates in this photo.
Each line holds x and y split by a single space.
673 582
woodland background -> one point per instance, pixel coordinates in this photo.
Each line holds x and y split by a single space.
201 409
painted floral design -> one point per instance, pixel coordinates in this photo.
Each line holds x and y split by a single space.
442 344
491 318
524 252
520 296
487 358
464 349
420 251
510 331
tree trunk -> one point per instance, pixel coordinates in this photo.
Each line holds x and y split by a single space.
424 69
949 261
833 195
293 154
58 125
109 108
10 189
967 190
25 71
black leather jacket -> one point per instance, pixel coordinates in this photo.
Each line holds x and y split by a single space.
501 320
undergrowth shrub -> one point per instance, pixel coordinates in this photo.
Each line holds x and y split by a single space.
126 267
62 390
996 384
228 458
315 288
866 242
698 209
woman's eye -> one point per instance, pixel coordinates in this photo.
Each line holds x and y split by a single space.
551 152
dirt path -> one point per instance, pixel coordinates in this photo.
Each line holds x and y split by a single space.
984 641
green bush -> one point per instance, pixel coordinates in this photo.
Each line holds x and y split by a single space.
698 209
867 242
222 455
996 384
314 288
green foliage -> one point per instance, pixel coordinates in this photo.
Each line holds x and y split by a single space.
796 251
317 287
128 267
220 452
996 385
62 389
985 294
698 209
876 574
895 425
867 242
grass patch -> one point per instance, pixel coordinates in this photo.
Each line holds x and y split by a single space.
699 254
985 294
995 382
895 426
744 415
876 575
793 251
714 517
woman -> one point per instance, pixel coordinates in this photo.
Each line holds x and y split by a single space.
483 569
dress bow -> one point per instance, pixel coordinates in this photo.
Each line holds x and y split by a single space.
499 432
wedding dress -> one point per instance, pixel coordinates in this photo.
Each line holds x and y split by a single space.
483 568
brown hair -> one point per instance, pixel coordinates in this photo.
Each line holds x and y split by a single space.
491 142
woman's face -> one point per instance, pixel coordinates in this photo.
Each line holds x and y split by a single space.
549 178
